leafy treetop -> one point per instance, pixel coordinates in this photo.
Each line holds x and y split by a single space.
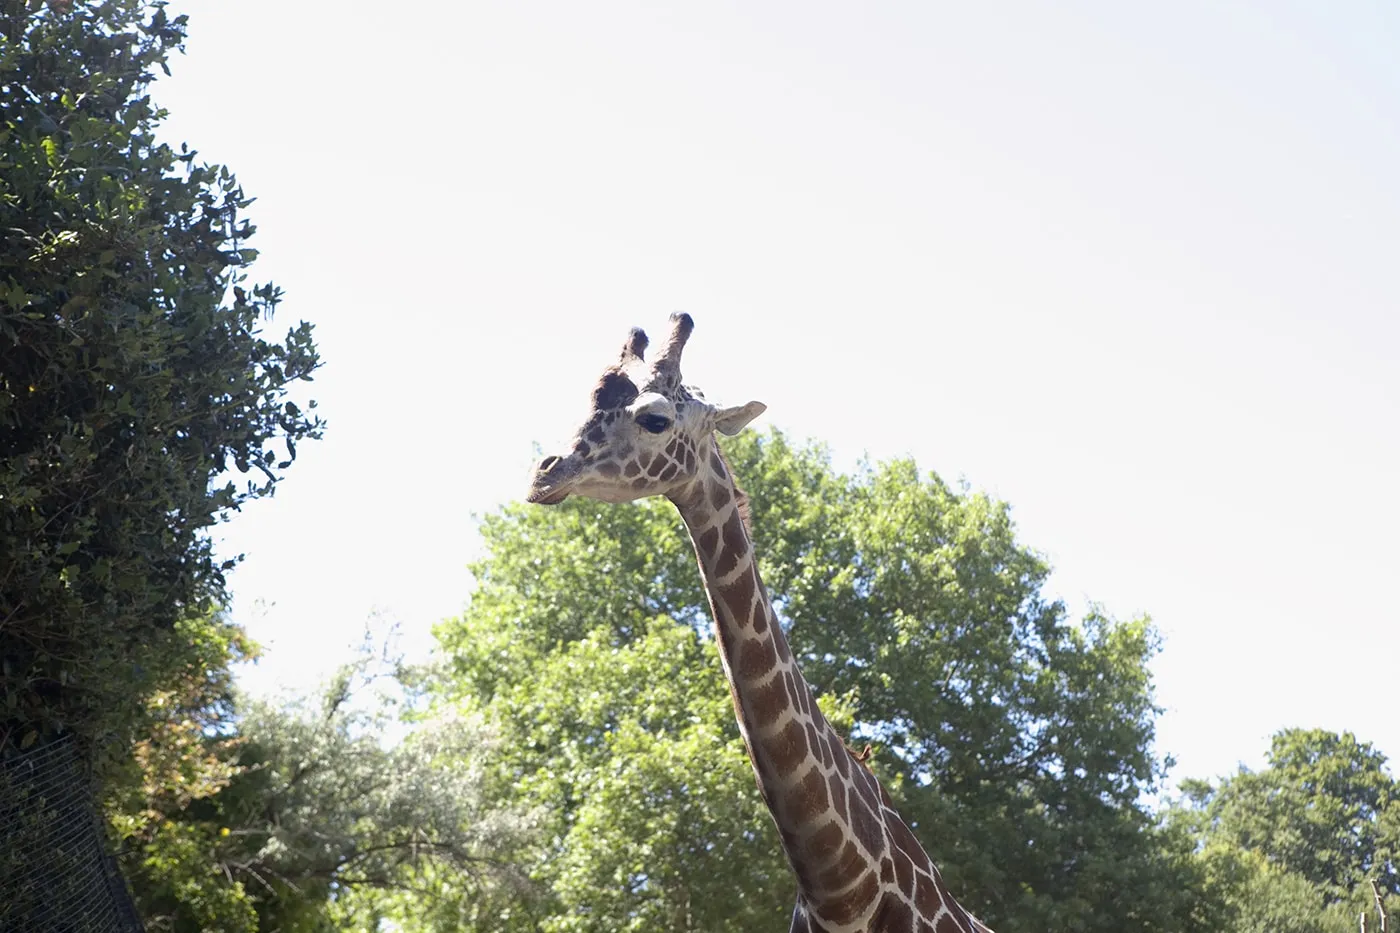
133 368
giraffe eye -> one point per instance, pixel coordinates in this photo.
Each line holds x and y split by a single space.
654 423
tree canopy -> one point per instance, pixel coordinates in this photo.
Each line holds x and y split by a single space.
133 369
1016 741
135 376
292 816
1298 844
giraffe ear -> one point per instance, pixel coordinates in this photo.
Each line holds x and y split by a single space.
732 420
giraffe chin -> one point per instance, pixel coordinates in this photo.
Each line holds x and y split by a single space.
549 497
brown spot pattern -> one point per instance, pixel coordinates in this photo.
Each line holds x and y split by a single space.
766 703
756 658
894 916
904 873
727 640
845 908
902 838
809 800
738 595
835 746
791 683
843 764
846 867
788 748
838 798
784 652
866 826
824 844
734 538
813 742
718 496
927 897
726 558
708 539
804 698
948 924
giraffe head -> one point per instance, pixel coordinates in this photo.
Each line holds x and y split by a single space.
645 434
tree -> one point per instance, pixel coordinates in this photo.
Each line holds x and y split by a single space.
1298 844
133 370
292 816
186 753
1016 742
629 750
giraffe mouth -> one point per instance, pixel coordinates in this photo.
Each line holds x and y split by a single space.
547 496
553 481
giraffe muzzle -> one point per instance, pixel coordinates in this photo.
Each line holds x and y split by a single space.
553 481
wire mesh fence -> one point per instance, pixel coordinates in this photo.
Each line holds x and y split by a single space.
56 875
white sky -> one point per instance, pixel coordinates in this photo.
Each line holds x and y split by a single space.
1131 268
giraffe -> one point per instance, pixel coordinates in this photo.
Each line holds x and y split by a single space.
858 866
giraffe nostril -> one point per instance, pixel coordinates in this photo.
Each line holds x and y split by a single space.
547 462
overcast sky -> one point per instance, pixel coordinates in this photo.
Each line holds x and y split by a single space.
1131 268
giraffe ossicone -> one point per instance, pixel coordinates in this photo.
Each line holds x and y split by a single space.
858 865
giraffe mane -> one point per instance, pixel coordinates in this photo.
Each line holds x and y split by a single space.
741 498
742 501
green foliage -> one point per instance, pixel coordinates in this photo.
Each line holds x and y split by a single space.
1297 845
633 751
132 369
276 825
179 887
1017 742
185 754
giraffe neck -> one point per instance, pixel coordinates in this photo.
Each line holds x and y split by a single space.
827 806
858 865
